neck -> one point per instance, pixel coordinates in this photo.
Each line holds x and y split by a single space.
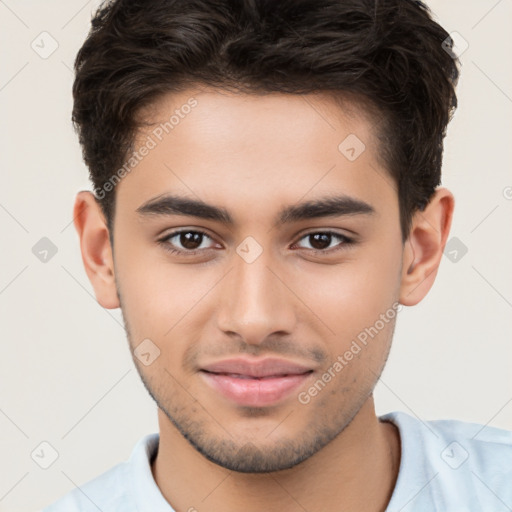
355 471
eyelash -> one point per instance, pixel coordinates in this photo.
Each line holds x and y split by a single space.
346 242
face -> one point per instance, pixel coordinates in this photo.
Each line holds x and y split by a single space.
266 333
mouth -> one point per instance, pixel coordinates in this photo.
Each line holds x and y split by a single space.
240 376
255 383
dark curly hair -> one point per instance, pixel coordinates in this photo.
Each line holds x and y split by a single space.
388 54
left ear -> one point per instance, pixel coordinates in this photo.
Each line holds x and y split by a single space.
424 247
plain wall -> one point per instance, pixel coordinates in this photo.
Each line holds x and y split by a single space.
66 373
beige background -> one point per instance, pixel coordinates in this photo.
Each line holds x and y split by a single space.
66 374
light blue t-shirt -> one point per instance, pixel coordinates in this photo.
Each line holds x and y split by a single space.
445 466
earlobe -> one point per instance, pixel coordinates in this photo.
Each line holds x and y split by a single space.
96 250
424 247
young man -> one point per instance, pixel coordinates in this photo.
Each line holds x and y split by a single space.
266 200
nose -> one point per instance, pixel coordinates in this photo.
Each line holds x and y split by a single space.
256 301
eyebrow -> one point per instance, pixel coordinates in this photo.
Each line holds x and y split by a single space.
330 206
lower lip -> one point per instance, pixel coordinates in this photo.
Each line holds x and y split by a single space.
255 392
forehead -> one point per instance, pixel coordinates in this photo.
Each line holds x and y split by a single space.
251 121
257 151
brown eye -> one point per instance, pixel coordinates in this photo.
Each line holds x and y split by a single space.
321 241
190 239
185 241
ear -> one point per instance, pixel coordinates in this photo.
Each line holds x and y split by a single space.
424 247
96 250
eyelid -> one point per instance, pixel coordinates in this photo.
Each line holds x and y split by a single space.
164 240
347 241
329 231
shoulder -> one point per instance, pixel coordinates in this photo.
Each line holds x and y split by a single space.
452 463
113 489
482 451
104 492
479 445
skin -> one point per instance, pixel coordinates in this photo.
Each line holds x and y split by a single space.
254 155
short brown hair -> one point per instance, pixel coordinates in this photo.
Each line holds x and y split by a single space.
389 53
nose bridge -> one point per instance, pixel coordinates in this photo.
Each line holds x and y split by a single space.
256 303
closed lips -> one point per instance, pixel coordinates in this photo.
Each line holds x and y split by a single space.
266 368
243 376
255 382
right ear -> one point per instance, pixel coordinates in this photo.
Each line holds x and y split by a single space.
96 250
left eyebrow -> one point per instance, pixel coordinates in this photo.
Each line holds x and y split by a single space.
330 206
336 206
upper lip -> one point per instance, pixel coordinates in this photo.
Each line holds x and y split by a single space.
257 368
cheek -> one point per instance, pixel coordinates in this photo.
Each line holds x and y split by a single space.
161 300
351 297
